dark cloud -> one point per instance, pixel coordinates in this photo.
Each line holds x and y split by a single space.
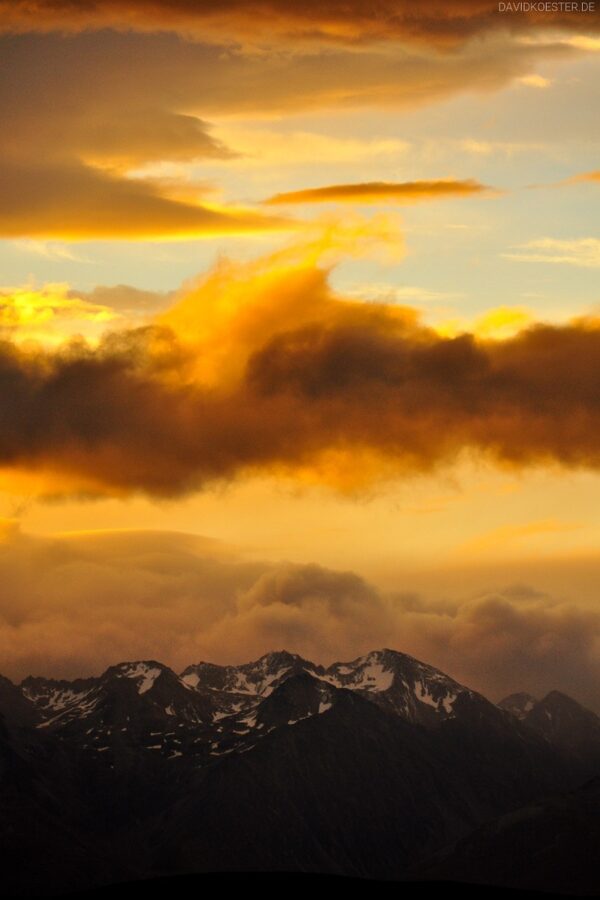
439 21
267 370
422 398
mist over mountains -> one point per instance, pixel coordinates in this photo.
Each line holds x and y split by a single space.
382 767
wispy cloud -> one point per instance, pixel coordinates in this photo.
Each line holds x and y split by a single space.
52 250
534 81
382 191
584 252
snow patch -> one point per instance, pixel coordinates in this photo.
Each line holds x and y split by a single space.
423 695
367 674
448 702
144 674
376 678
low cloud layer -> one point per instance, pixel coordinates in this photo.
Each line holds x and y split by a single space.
263 368
377 191
73 605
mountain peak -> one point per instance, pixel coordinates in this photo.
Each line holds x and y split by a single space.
129 666
558 698
519 704
144 672
567 724
278 658
15 706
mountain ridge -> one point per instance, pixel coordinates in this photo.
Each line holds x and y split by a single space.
360 768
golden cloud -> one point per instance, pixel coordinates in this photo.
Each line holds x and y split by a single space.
263 368
377 191
75 202
583 252
49 314
116 120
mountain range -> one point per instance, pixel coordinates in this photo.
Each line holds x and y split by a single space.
382 767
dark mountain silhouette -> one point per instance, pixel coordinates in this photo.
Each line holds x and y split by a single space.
565 724
368 768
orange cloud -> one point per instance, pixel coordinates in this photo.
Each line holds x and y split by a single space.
70 201
115 119
586 176
440 21
377 191
264 368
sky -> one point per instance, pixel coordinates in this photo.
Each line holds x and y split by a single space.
301 336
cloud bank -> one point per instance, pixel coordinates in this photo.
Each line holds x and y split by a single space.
263 368
73 605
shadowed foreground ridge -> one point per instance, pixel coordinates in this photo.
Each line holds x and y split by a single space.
271 884
381 768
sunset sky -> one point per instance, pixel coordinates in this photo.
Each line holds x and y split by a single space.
300 315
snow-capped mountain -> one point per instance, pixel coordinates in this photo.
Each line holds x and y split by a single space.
258 678
361 767
142 704
211 710
411 689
